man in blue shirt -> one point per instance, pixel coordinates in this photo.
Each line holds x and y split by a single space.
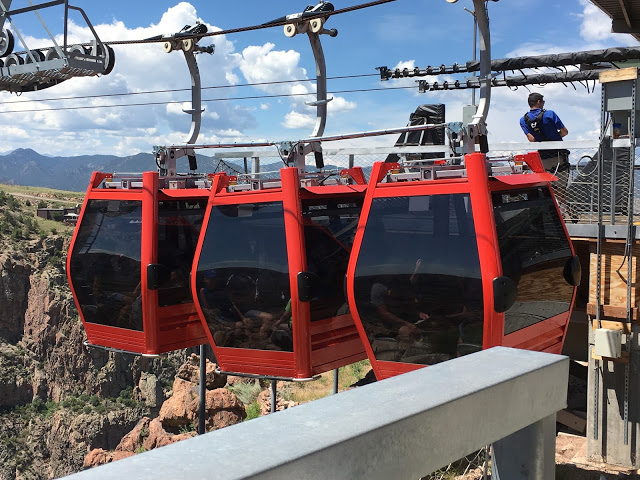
540 125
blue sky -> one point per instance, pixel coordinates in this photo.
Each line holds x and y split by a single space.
401 33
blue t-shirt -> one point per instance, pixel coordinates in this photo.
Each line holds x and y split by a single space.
551 123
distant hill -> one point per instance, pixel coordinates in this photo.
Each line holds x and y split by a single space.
27 167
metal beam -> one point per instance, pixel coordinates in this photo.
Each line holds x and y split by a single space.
403 427
625 12
621 26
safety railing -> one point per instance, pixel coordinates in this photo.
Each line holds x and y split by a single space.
579 203
404 427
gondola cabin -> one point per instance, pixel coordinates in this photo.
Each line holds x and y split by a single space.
130 258
270 272
450 259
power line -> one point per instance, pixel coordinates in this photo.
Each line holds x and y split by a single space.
253 97
148 92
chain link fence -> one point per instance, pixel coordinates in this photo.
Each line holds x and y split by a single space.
576 189
472 467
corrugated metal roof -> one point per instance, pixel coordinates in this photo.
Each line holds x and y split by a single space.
625 15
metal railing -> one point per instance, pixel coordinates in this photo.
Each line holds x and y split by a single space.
404 427
580 203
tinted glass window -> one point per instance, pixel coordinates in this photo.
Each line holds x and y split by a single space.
534 250
179 224
418 288
105 263
243 277
329 229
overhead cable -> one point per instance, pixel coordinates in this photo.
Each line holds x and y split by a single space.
252 97
175 90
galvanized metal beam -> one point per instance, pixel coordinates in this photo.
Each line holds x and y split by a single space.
403 427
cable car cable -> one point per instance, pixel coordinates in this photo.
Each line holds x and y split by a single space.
174 90
252 97
279 23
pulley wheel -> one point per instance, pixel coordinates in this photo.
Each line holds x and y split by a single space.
316 25
188 44
110 60
290 30
77 50
37 54
51 54
13 60
6 43
167 47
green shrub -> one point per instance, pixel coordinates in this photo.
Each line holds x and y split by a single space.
253 410
247 393
42 204
37 405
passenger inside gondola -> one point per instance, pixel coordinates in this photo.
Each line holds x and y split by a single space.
417 285
249 290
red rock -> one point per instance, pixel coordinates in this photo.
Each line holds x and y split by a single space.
176 411
133 440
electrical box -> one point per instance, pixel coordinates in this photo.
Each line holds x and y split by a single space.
608 343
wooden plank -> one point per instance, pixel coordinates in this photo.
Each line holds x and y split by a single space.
612 325
630 73
613 289
572 421
623 359
614 311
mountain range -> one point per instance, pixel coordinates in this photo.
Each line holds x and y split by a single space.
27 167
24 166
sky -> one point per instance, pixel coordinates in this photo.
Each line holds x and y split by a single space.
404 33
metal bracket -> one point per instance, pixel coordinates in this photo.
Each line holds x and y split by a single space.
166 159
477 128
313 28
190 47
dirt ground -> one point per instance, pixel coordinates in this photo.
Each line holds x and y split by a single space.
572 464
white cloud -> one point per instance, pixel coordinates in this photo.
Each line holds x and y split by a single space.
295 119
596 28
340 105
138 68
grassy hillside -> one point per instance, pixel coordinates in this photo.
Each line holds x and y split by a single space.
19 205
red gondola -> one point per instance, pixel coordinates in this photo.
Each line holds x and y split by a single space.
448 260
130 258
270 269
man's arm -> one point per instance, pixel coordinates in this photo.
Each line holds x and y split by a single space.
526 131
563 132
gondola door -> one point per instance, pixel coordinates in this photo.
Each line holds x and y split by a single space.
121 287
536 253
416 282
450 265
255 282
245 242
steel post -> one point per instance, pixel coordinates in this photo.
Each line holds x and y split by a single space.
203 389
528 454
